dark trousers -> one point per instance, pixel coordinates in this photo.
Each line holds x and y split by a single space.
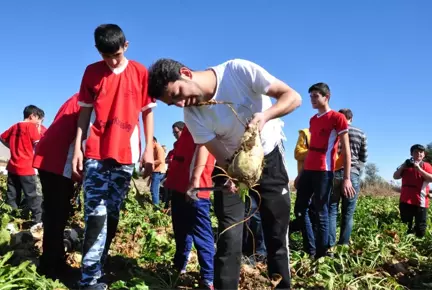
192 224
275 215
27 184
253 236
57 192
410 212
314 188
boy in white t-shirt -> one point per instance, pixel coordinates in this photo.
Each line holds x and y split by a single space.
248 86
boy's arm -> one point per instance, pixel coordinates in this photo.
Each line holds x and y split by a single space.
148 125
398 173
363 154
346 153
81 135
426 174
160 155
199 166
4 138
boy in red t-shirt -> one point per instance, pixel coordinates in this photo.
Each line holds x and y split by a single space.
113 94
316 179
416 175
192 167
53 156
21 139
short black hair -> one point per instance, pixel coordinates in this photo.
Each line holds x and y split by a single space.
161 73
109 38
418 147
321 88
154 139
33 110
178 124
347 112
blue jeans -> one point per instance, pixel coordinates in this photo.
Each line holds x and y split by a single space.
348 208
314 187
106 184
155 185
191 223
255 226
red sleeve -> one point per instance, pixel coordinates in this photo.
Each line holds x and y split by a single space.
147 101
34 133
341 124
6 135
86 93
427 167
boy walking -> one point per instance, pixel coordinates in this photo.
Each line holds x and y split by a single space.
112 95
21 139
192 167
249 87
327 128
53 158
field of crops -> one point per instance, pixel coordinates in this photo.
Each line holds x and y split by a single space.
382 256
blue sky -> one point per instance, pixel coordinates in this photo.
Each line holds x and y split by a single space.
375 55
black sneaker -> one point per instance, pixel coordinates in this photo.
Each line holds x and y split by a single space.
98 286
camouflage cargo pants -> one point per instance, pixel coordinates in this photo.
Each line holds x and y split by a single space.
105 186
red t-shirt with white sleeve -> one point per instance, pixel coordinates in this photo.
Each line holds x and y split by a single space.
21 137
54 152
117 97
415 190
325 130
183 163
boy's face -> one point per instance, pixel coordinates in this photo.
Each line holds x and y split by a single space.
114 60
184 92
418 155
176 133
318 100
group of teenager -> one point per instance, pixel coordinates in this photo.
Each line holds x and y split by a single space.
95 140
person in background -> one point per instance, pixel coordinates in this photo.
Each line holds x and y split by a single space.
21 139
112 96
158 171
358 147
300 153
327 127
53 156
250 88
416 174
177 129
192 167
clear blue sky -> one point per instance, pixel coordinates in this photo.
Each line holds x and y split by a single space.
375 55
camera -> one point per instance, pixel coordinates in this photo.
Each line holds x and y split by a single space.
409 162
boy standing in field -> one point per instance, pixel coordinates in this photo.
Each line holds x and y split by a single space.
112 95
249 88
192 167
158 172
21 139
416 175
316 180
53 158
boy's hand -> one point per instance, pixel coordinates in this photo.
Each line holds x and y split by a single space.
147 162
348 189
77 164
260 119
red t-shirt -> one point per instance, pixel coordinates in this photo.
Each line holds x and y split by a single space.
117 97
21 137
183 163
55 150
325 130
415 190
42 130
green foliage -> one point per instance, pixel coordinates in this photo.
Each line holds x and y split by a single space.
428 157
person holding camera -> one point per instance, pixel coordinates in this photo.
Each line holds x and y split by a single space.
416 175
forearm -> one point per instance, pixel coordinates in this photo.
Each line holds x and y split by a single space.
148 124
426 176
346 153
82 128
200 162
285 104
398 172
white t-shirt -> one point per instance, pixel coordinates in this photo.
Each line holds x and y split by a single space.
244 84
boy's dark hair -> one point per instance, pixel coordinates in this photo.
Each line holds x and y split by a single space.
109 38
154 139
418 147
40 113
180 125
32 110
162 72
347 112
321 88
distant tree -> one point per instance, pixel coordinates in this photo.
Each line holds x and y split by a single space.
371 174
428 157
